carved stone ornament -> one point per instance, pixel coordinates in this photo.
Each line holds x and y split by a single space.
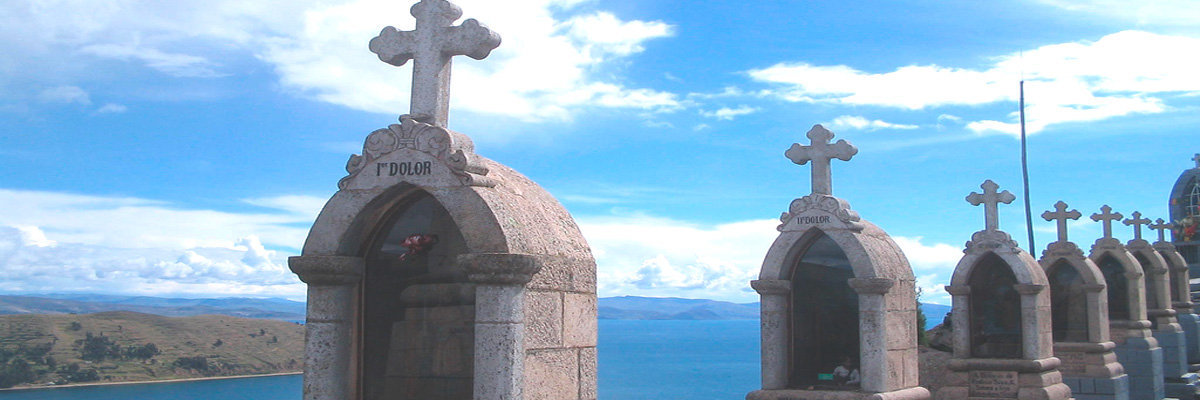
991 240
453 149
1062 249
821 205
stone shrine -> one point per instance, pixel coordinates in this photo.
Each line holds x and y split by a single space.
1137 350
1003 337
1181 299
435 273
838 295
1179 382
1079 317
1185 216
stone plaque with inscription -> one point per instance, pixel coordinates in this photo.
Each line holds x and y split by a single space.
993 384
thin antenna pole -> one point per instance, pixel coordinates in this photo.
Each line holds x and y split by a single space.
1025 173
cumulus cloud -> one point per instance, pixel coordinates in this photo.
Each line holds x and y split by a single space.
67 242
861 123
728 114
1119 74
651 256
556 57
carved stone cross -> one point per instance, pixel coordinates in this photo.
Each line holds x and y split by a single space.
990 200
1061 215
1162 227
820 152
1137 221
1106 217
430 46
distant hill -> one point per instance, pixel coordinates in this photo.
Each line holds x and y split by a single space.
279 309
130 346
635 307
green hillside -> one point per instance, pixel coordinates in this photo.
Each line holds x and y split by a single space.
37 349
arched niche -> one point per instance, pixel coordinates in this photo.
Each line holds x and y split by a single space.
1068 303
986 286
832 291
824 325
515 244
1157 285
1079 297
418 312
1124 278
1119 299
995 325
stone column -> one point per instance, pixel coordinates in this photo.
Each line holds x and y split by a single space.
1037 337
500 280
774 321
330 366
960 316
872 317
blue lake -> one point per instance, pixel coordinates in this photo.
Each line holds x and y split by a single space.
679 360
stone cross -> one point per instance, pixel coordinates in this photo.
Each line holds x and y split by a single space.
820 152
990 200
1162 227
1106 217
430 46
1062 215
1137 221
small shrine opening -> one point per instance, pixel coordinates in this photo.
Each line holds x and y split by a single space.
1176 293
418 313
824 325
1068 302
1118 287
995 309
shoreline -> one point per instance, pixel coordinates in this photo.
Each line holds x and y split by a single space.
176 380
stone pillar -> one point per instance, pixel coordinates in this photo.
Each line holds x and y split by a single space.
499 321
872 315
330 366
1035 319
773 309
960 307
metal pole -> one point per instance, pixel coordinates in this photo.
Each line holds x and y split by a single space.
1025 173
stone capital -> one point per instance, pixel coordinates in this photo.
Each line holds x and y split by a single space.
1093 288
1028 289
328 270
500 268
958 290
771 286
871 285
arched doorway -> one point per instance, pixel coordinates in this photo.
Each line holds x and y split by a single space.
825 316
995 310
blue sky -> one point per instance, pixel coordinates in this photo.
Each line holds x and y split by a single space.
183 148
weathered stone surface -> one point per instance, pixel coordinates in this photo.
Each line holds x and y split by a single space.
587 373
552 374
545 322
579 320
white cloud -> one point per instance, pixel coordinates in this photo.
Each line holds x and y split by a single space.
111 108
861 123
66 242
641 255
728 114
556 58
1120 74
64 94
1181 13
174 64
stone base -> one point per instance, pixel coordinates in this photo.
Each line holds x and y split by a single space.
1174 349
1089 388
914 393
1142 359
1184 388
1191 332
996 379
